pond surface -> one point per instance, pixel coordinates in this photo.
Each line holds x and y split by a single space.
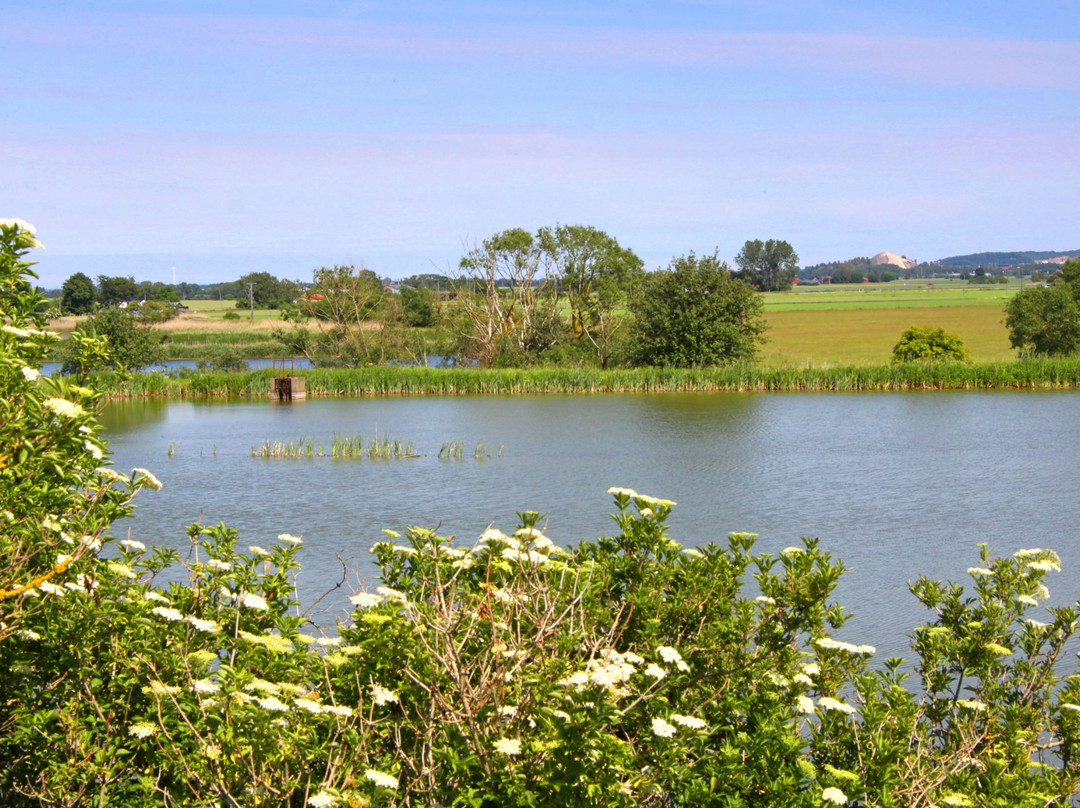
894 484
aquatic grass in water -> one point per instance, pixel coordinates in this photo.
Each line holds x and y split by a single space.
452 450
341 447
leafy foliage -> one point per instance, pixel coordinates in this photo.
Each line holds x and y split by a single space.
264 291
129 344
596 275
770 265
1045 320
114 290
929 344
696 313
77 294
342 303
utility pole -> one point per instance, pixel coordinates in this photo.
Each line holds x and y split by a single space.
251 300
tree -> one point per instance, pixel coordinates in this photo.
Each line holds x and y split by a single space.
770 265
929 344
418 306
77 294
1045 321
342 301
156 290
130 345
595 274
506 322
264 291
696 313
114 290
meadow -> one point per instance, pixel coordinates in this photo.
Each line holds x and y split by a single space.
820 326
808 327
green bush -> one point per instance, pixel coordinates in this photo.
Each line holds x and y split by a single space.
929 344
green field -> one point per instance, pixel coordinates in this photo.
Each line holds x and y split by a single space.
819 326
895 295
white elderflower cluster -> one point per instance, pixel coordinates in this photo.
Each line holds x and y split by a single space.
63 407
382 695
381 778
508 746
609 670
672 657
828 643
145 478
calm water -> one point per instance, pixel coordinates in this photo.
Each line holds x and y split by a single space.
894 484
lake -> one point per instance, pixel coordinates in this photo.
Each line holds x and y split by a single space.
894 484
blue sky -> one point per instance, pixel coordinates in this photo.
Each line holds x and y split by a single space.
229 137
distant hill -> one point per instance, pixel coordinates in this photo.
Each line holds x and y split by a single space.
1001 259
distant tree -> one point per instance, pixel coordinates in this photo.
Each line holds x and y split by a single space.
114 290
1045 320
156 290
848 272
343 302
440 283
770 265
418 306
77 294
264 291
191 291
595 274
130 346
694 313
929 344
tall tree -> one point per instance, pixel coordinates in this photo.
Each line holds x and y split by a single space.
114 290
770 265
263 291
503 306
77 294
595 274
696 313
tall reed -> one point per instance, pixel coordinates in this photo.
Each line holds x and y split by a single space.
1061 374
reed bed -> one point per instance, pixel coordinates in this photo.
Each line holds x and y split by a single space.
341 447
1046 374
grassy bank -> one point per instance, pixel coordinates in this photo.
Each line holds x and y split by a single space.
418 381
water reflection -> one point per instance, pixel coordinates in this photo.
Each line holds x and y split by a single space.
894 484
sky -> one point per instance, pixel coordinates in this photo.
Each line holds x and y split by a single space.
204 140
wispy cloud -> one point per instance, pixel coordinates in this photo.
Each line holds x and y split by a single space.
950 62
